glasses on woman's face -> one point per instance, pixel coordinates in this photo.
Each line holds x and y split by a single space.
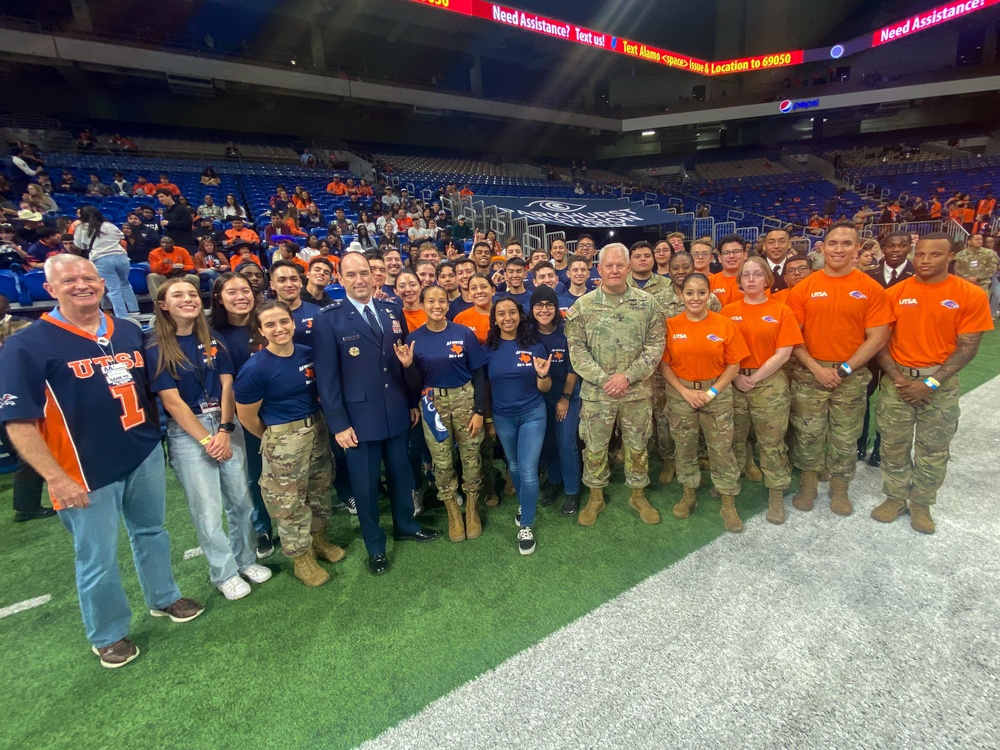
755 276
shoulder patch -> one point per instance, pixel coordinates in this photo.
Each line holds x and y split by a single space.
573 312
333 305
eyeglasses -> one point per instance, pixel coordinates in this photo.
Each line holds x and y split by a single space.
752 276
701 255
731 252
797 269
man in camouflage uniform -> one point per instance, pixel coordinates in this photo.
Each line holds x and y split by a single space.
616 336
295 454
454 407
976 263
918 406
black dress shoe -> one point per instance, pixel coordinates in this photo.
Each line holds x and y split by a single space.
875 459
30 515
862 452
420 535
378 564
549 494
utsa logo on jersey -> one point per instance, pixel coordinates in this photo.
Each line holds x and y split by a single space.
769 319
713 337
857 295
950 304
819 294
908 301
84 368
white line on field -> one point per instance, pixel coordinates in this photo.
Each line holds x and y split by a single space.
27 604
188 554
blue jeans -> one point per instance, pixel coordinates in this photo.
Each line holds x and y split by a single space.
140 499
255 464
210 487
114 270
561 452
522 436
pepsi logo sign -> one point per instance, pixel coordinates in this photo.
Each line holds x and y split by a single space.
788 105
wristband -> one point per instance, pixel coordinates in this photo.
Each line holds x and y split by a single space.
712 393
541 377
932 384
205 440
488 420
567 396
846 368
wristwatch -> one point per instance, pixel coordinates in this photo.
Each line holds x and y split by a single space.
227 427
844 369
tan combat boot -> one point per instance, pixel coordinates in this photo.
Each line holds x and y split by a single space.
890 509
730 518
751 470
686 504
307 571
667 474
704 464
808 487
456 525
840 503
647 512
323 549
588 516
473 526
920 518
776 507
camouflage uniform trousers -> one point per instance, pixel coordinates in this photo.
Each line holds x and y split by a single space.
765 409
827 423
295 481
664 443
917 478
715 419
455 410
597 422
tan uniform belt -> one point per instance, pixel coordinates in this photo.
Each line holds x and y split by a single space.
296 425
919 372
823 363
748 371
446 391
698 385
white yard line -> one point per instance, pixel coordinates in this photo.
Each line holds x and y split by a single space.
27 604
196 552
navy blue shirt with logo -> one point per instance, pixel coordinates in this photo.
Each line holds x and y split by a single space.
511 372
303 316
237 340
446 359
197 379
285 386
555 344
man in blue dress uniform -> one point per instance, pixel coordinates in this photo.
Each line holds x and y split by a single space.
367 404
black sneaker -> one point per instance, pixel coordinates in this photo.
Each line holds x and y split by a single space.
525 541
875 459
571 504
549 494
265 546
20 516
352 505
517 518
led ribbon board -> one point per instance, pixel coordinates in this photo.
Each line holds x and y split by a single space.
551 27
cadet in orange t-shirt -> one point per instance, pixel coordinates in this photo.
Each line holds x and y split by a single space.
761 394
703 354
408 290
732 252
844 318
477 317
939 323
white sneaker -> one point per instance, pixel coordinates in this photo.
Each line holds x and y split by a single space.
525 541
418 502
255 573
234 588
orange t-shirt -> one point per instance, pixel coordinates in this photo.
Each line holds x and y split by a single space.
144 187
414 319
337 188
781 296
235 259
475 320
168 186
725 288
835 311
765 328
703 350
929 318
935 209
163 263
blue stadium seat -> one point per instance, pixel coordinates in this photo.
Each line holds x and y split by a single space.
33 281
137 279
9 286
336 291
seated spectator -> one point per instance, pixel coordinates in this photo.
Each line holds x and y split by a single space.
336 187
45 183
85 141
11 251
240 233
209 261
135 247
208 210
142 186
417 233
281 201
119 187
461 230
288 250
345 225
364 239
169 261
47 244
242 252
119 142
466 192
209 177
578 189
69 184
303 201
96 188
365 190
390 202
205 228
291 219
232 152
147 230
31 223
232 209
311 218
307 160
311 250
166 184
37 200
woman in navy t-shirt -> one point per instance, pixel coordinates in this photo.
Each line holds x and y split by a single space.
193 375
561 452
277 400
518 369
445 362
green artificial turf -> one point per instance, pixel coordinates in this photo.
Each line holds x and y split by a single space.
290 667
